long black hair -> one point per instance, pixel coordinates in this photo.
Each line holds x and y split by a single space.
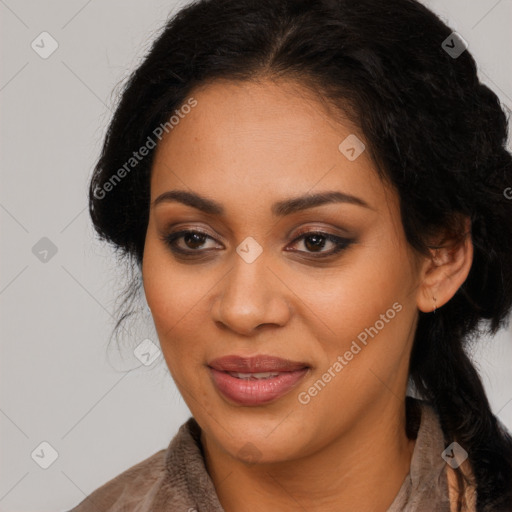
431 127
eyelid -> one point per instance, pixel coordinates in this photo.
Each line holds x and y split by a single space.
312 229
174 228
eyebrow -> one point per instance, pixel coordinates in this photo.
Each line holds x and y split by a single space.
280 208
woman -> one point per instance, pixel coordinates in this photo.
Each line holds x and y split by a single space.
314 196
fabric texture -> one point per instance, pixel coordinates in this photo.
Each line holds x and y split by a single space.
176 479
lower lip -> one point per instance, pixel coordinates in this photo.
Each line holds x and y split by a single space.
256 392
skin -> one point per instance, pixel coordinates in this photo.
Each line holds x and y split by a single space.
268 141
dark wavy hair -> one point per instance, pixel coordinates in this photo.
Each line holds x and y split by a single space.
431 127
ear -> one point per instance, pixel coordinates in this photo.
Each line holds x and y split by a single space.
444 272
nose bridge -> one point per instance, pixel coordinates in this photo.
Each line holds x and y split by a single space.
250 293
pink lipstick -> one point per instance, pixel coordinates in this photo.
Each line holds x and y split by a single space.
255 380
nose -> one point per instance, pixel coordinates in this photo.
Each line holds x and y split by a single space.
251 296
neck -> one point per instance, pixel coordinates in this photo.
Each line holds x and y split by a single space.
362 469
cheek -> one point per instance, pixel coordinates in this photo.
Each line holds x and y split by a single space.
175 299
354 298
369 311
173 304
170 288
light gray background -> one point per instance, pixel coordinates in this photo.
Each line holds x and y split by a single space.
100 410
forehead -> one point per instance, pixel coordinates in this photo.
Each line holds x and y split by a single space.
268 136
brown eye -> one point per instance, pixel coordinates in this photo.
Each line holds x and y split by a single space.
315 241
192 242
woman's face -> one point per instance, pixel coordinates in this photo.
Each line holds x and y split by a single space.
254 282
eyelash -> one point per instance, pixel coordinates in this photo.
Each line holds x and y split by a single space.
340 242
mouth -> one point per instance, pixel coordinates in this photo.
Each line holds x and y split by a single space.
255 380
256 364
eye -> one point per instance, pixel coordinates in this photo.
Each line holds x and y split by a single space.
192 240
315 241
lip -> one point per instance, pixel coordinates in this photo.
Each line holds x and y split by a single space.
255 364
254 392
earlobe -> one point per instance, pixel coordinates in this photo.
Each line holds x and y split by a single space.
445 271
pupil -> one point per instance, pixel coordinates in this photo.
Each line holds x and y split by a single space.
194 240
319 242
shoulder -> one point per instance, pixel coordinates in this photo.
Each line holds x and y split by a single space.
452 481
429 465
128 487
166 480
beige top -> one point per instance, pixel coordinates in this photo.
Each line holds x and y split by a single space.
177 479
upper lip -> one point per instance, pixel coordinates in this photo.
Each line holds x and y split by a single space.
255 364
